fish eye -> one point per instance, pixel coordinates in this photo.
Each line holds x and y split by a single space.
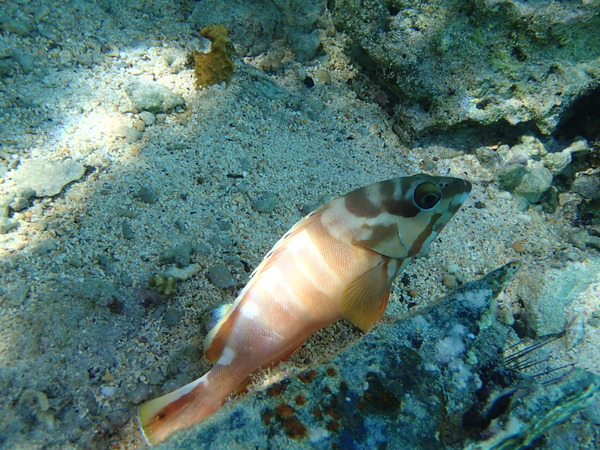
427 195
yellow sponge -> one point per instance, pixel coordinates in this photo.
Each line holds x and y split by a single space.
217 65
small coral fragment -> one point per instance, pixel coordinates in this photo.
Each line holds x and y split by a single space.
163 284
217 65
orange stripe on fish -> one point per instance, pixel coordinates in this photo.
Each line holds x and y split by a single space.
338 262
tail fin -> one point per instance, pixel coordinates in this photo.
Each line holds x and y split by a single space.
162 416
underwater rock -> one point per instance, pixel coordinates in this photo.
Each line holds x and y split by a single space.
411 382
147 195
305 45
130 134
592 412
21 25
22 198
172 317
587 184
526 62
536 409
179 255
5 202
127 231
292 23
221 277
582 239
46 176
266 203
217 65
528 168
547 294
529 181
25 60
7 67
182 274
254 34
7 224
147 117
17 295
557 162
150 96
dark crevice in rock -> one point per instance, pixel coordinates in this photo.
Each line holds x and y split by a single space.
470 135
582 119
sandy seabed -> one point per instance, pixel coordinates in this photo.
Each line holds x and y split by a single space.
83 341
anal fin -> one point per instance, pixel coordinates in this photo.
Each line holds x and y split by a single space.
215 340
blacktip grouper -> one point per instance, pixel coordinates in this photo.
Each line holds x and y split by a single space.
337 262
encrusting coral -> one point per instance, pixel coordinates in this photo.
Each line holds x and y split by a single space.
217 65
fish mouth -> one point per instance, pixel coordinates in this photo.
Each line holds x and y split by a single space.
459 189
468 186
462 189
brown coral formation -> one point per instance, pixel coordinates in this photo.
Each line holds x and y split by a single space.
217 65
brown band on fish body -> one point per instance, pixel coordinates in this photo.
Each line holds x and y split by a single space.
379 233
358 203
418 244
401 208
387 189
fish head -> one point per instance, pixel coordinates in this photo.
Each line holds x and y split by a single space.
435 201
411 212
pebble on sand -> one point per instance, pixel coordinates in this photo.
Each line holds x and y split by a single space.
46 176
266 203
153 97
220 276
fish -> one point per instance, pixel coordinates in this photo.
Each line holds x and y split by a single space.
337 262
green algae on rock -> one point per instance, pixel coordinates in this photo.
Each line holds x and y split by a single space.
163 284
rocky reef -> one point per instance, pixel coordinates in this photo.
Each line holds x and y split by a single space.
278 25
482 62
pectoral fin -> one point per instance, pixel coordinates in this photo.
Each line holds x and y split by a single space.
364 300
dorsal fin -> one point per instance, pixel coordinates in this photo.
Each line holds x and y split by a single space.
364 300
300 226
214 342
